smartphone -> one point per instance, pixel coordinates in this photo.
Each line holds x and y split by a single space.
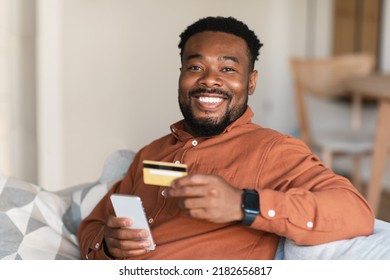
130 206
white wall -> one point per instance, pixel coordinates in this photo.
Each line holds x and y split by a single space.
17 89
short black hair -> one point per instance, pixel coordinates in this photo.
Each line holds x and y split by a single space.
228 25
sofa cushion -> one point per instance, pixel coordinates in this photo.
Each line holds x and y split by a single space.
373 247
31 224
83 201
39 224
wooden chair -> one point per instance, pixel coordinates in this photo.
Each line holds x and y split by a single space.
324 78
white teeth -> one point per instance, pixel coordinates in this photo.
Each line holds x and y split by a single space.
210 99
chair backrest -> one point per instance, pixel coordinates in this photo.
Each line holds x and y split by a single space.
325 77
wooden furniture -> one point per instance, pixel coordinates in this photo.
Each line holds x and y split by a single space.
324 78
376 87
356 26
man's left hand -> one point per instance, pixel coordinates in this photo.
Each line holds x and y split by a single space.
208 197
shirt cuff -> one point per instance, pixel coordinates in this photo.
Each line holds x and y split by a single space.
272 204
96 248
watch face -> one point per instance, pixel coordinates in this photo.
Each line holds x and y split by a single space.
251 203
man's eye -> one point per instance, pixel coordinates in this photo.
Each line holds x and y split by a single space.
227 69
195 68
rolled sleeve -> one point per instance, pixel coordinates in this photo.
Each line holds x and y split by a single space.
304 201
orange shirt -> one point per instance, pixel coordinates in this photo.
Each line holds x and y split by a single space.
300 198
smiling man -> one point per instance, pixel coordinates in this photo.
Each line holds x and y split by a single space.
246 185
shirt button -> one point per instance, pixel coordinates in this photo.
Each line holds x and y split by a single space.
151 220
194 143
271 213
97 246
177 162
164 193
310 224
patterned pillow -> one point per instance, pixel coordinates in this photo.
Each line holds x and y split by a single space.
39 224
30 223
83 201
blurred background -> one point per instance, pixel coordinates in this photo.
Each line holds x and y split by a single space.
80 79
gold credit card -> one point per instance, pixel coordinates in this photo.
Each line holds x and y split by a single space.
162 173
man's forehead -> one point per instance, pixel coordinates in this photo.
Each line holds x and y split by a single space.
225 46
216 35
208 39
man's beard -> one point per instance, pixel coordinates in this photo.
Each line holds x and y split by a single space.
208 127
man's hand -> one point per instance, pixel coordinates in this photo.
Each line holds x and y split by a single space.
122 242
208 197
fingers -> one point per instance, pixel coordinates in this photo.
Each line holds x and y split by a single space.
122 248
184 186
115 222
191 180
122 242
207 197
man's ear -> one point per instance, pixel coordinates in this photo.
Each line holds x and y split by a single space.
252 82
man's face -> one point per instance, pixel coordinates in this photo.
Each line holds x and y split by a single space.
215 81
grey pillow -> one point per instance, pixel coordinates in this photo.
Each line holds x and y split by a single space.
30 223
82 203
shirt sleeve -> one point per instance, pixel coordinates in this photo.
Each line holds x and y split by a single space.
305 201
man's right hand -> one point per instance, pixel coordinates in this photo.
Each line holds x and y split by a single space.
122 242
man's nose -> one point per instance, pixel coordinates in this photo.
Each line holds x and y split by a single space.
210 79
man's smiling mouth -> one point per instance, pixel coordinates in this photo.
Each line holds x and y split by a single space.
209 99
212 100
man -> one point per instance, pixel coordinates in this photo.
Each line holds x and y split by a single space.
247 185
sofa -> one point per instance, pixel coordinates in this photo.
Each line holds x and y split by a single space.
36 224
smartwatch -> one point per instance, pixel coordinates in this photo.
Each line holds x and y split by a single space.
250 206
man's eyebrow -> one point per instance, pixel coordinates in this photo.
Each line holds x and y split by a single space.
194 56
232 58
222 58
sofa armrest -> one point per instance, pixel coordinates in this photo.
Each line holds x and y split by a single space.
116 165
373 247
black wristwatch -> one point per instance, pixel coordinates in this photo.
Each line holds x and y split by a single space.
250 206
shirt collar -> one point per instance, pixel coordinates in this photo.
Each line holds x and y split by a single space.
178 131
